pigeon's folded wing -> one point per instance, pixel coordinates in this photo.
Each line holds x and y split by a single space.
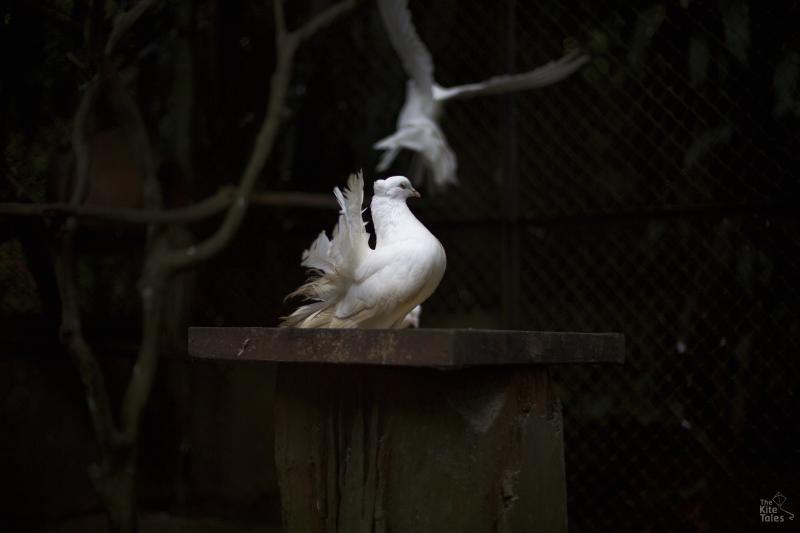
383 285
366 296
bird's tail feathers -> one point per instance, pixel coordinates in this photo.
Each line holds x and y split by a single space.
311 315
350 237
318 255
322 291
331 262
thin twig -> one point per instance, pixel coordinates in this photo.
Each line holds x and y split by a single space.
123 22
194 213
80 145
72 58
129 116
264 143
132 123
183 91
198 212
323 19
294 199
280 20
19 189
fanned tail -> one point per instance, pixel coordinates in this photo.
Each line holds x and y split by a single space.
349 244
332 262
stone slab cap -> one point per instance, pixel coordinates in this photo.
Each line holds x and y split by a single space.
409 347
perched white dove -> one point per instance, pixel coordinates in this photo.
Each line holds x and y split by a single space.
417 126
355 286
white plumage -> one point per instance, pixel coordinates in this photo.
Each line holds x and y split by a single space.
412 318
417 125
355 286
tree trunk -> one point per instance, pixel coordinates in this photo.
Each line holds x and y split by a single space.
115 483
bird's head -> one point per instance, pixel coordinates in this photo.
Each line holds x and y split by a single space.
397 187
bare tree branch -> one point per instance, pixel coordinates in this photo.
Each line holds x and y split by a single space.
152 284
323 19
293 199
123 22
71 332
114 477
80 146
127 111
130 118
71 335
152 288
18 188
198 212
280 20
265 140
183 89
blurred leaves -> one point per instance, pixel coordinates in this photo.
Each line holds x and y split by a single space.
699 58
706 142
736 21
647 24
787 92
18 294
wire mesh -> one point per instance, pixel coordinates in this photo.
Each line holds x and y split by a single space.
651 193
654 191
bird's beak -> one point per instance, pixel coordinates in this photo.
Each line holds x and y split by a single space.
415 193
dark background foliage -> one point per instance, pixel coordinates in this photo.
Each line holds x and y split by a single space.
653 193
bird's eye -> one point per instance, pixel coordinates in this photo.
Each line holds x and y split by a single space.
403 185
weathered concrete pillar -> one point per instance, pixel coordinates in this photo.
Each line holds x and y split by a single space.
416 431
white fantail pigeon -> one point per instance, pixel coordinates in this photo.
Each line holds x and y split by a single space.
355 286
417 126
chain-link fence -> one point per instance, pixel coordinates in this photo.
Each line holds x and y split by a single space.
652 193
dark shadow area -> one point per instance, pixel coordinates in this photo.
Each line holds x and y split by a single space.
653 193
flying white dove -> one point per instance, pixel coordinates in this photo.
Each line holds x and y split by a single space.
355 286
417 126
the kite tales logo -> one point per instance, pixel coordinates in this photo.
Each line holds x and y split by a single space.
773 510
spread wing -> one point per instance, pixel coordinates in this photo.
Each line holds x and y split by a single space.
414 55
547 74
